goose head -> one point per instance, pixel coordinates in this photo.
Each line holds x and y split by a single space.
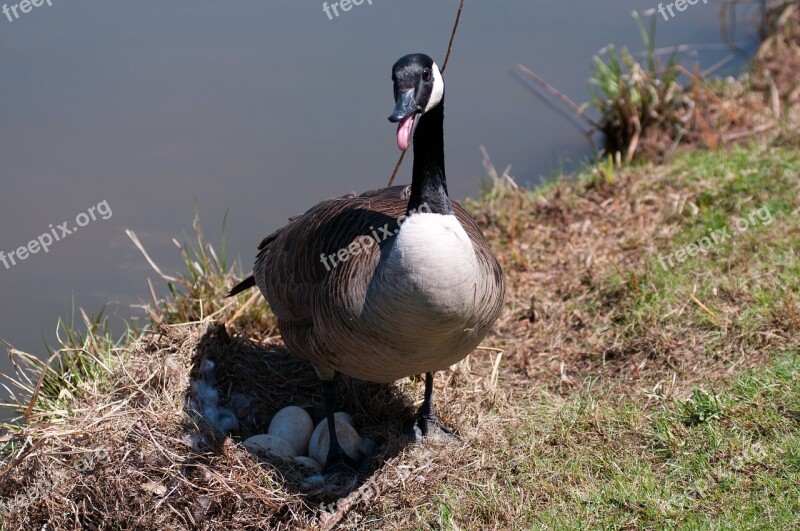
418 88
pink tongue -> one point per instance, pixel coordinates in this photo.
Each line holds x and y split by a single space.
404 132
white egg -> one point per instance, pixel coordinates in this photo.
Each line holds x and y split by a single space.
309 463
293 425
258 444
340 416
347 435
343 416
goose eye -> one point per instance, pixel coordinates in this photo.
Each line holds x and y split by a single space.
426 74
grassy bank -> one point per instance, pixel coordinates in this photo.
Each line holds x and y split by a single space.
612 392
645 373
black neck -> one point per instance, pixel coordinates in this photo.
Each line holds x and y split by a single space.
428 182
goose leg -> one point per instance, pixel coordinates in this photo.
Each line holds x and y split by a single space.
337 461
427 423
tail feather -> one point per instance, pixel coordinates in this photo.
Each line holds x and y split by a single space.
244 285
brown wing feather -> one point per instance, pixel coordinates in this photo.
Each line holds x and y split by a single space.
289 270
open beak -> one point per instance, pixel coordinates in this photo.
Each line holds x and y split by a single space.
405 112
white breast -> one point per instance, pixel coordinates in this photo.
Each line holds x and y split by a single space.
420 312
431 269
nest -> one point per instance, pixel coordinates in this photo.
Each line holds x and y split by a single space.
138 453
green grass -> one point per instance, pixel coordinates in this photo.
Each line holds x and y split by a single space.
87 353
717 460
758 266
726 455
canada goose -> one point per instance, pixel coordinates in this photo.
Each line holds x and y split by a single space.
391 283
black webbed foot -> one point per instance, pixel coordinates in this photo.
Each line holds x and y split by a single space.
427 424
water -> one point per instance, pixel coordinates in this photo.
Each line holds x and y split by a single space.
259 109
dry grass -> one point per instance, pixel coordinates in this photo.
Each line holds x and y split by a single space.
128 452
585 257
587 382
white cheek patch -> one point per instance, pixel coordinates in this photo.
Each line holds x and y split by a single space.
438 88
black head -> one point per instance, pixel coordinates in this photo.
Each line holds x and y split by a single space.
418 88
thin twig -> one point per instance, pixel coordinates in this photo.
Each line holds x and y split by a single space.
444 65
496 370
527 72
452 36
40 381
539 93
716 66
705 308
634 140
21 457
697 79
241 310
397 168
138 244
748 132
489 349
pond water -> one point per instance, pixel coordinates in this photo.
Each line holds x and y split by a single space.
129 115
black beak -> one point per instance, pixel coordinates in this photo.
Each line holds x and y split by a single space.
405 107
